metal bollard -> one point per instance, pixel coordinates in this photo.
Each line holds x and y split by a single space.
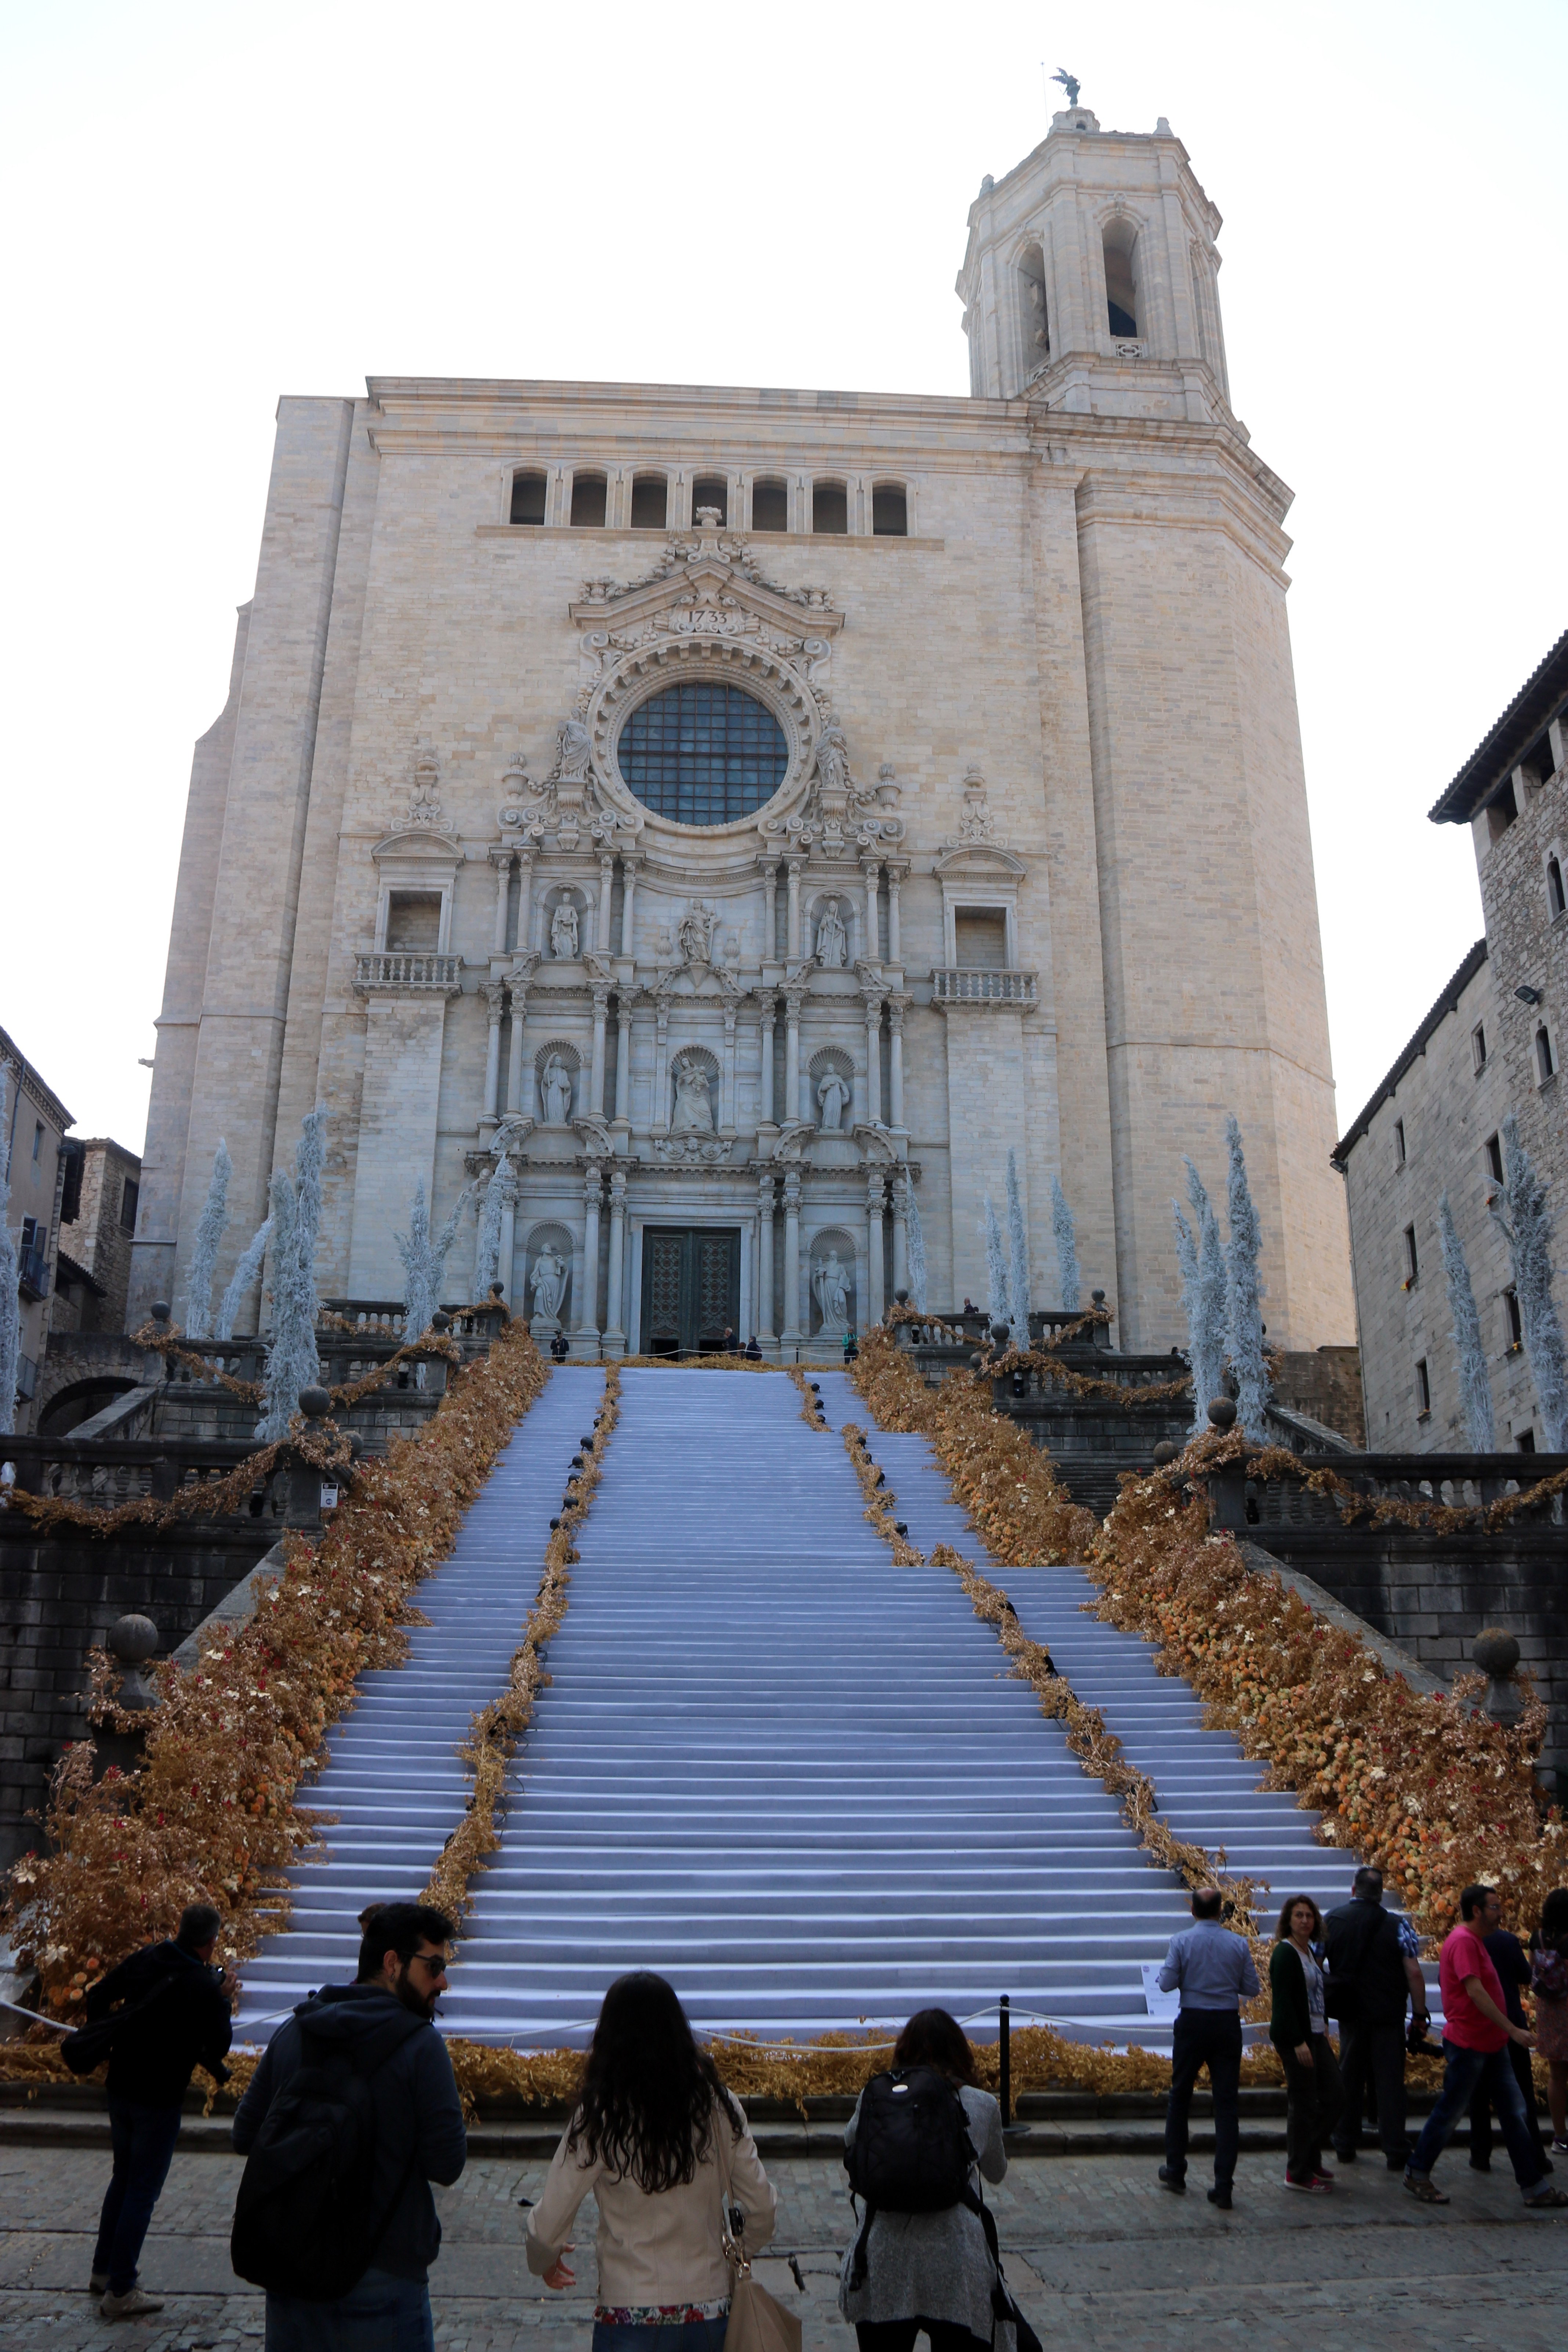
1005 2052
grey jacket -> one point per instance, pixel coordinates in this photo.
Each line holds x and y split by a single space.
934 2265
420 2136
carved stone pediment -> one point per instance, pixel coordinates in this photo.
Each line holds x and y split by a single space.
695 977
708 584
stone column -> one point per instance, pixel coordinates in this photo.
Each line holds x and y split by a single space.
897 1008
792 1051
874 1059
796 865
791 1336
588 1302
660 1120
871 930
871 1304
623 1059
507 1246
895 951
525 939
607 893
628 899
727 1080
515 1105
495 997
768 1010
502 860
614 1329
596 1070
770 866
901 1231
764 1319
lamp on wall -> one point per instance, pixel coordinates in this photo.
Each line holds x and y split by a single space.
1528 996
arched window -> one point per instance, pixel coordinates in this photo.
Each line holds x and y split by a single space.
829 508
1120 280
1033 326
1555 900
651 501
1545 1062
528 497
889 511
770 506
710 490
588 501
702 753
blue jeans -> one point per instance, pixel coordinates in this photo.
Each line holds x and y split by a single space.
382 2314
1466 2072
143 2140
690 2336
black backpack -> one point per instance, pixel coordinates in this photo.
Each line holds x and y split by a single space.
911 2152
305 2222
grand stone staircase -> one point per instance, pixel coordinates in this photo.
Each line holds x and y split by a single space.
790 1775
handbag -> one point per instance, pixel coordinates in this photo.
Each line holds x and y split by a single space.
758 2322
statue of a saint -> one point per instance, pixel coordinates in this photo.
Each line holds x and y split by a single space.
555 1089
564 931
832 941
696 933
831 1283
833 1094
693 1103
575 746
833 759
547 1283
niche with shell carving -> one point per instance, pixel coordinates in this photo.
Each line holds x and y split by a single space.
547 1251
830 1076
831 1281
556 1067
694 1085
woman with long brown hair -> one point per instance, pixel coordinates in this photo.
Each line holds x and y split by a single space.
1299 2030
654 2139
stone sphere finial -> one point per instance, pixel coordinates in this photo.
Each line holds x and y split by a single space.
1495 1652
1222 1413
901 1297
159 1310
315 1403
1000 1334
1165 1452
440 1320
1096 1298
498 1290
131 1640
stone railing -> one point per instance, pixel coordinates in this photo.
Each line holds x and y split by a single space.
958 984
409 968
104 1472
1461 1481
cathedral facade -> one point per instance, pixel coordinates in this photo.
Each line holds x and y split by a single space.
752 815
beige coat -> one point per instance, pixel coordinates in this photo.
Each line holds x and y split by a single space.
653 2250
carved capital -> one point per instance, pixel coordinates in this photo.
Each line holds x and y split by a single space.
767 1002
875 1189
792 1191
602 996
898 1005
765 1194
495 997
501 854
592 1185
617 1192
795 996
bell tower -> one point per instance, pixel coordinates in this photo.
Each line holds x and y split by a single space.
1089 282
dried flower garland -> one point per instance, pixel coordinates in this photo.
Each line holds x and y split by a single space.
320 1443
496 1729
159 1340
811 1411
1391 1510
212 1815
881 1499
1432 1791
1129 1395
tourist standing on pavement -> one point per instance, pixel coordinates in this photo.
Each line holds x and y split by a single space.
1507 1956
1299 2030
1372 1979
1213 1971
358 2083
909 2273
661 2146
1549 1984
173 2015
1475 2035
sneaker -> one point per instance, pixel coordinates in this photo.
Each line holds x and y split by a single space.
1424 2190
1220 2197
1323 2179
134 2304
1312 2186
1176 2182
1548 2200
1560 2148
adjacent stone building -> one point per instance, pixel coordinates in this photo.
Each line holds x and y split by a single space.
35 1123
98 1220
751 812
1489 1045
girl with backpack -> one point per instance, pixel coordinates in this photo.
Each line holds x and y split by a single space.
1548 1989
918 2267
663 2149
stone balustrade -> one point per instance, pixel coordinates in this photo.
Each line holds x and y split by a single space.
408 968
1017 992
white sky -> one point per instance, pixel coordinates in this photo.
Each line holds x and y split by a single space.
210 205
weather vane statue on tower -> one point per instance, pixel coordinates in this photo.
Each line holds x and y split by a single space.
1069 83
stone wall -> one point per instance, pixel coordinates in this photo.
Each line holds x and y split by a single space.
1326 1385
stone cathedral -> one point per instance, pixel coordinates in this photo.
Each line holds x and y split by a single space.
753 814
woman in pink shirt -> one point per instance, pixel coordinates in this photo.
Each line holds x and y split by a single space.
1475 2035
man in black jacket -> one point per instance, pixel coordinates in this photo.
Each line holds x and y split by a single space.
1371 1983
173 2015
386 2018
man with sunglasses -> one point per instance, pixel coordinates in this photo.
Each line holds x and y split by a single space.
382 2025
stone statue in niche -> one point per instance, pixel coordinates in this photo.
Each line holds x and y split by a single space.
555 1091
564 931
547 1284
832 941
830 1284
697 926
576 747
833 759
833 1094
693 1103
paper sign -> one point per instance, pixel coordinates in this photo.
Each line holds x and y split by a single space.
1163 2005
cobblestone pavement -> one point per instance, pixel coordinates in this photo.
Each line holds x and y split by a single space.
1095 2249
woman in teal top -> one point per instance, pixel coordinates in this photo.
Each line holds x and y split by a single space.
1299 2030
